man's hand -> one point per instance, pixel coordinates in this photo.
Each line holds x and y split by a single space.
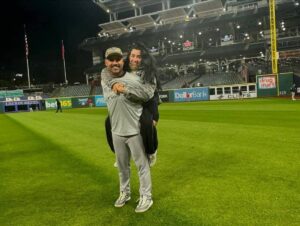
118 87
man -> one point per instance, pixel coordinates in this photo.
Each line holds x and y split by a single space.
293 91
140 63
124 94
58 106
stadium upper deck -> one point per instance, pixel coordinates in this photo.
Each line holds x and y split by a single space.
193 30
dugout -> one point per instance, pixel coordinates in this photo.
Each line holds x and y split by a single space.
235 91
25 105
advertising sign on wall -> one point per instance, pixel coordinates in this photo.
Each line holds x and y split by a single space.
164 96
187 45
65 103
82 102
267 82
99 101
191 94
266 85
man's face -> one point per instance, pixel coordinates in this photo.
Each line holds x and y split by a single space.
114 64
135 59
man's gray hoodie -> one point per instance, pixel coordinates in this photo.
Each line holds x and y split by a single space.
125 109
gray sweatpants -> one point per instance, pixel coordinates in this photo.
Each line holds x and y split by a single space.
124 148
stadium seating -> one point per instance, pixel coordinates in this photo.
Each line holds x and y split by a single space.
79 90
180 81
219 79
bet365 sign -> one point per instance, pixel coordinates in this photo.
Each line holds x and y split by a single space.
65 103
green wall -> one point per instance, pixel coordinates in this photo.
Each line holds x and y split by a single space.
285 83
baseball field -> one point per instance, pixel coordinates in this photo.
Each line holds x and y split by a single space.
219 163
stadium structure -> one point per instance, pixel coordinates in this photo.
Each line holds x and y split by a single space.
205 49
202 42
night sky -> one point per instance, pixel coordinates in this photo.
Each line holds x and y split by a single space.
47 23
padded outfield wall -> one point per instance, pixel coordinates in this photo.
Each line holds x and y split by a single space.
1 107
285 82
272 85
76 102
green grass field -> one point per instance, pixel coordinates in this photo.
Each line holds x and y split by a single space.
219 163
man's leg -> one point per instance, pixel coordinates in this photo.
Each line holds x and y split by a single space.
123 160
139 156
293 95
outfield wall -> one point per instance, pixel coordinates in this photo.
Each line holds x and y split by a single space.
266 85
274 85
286 80
1 107
76 102
222 92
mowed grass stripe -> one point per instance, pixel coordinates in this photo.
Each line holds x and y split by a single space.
239 174
46 185
210 171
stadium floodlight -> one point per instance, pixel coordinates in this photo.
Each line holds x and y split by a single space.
261 33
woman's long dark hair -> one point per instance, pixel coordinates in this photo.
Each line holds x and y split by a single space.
148 64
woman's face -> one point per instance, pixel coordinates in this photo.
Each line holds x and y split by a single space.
135 59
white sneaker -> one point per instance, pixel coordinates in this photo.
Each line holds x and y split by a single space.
116 164
144 204
152 159
123 198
